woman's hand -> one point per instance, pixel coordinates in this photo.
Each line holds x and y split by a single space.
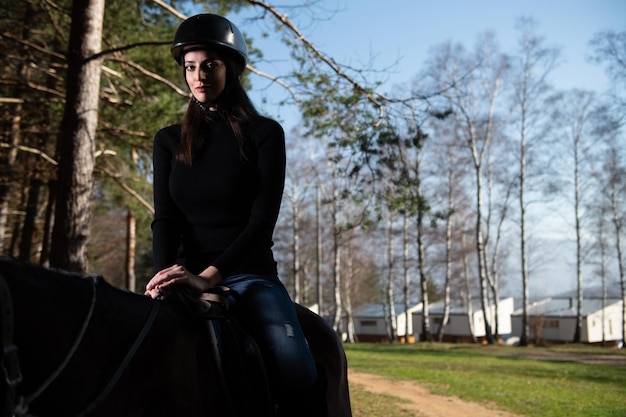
179 275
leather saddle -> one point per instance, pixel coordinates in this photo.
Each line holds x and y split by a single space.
241 367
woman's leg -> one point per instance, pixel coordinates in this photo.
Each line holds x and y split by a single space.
264 308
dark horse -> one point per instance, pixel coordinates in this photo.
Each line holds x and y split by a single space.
86 348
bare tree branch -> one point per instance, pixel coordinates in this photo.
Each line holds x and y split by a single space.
276 80
35 151
110 171
154 76
118 180
34 46
373 98
121 130
249 67
170 9
127 47
11 100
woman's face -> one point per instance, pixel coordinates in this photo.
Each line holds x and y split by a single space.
205 73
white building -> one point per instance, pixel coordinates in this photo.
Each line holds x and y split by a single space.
466 323
370 323
555 318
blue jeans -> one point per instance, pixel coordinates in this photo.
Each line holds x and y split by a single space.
263 307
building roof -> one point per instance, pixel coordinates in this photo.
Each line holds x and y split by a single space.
457 307
613 290
377 310
564 307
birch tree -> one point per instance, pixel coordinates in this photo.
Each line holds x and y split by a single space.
319 253
294 196
449 162
406 273
617 198
576 113
472 84
531 66
390 296
609 48
422 209
611 187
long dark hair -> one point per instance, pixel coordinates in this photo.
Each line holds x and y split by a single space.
233 105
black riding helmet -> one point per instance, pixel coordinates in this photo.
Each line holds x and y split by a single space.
213 31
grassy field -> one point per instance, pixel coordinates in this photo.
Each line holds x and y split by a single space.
366 404
495 374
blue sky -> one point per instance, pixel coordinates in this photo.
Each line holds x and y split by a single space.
398 34
395 37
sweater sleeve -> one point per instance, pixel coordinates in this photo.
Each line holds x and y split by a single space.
270 157
166 236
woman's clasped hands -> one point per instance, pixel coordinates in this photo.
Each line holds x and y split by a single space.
179 275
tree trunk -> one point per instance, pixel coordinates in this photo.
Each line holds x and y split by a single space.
620 259
390 296
318 252
131 244
76 141
468 289
579 248
44 258
7 166
15 234
529 81
7 170
337 285
480 249
522 205
351 333
131 239
602 247
295 229
524 261
28 227
492 269
407 282
421 260
446 285
337 254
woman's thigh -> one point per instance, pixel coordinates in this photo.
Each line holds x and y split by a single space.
264 308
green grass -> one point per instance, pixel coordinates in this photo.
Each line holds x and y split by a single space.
492 374
366 404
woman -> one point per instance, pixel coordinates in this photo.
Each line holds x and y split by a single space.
218 184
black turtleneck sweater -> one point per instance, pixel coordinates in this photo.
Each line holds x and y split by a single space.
222 209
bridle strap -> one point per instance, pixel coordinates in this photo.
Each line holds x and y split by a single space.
154 309
9 361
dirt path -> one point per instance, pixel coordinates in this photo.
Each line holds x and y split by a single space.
420 401
423 403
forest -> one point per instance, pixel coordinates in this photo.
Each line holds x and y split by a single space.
437 192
